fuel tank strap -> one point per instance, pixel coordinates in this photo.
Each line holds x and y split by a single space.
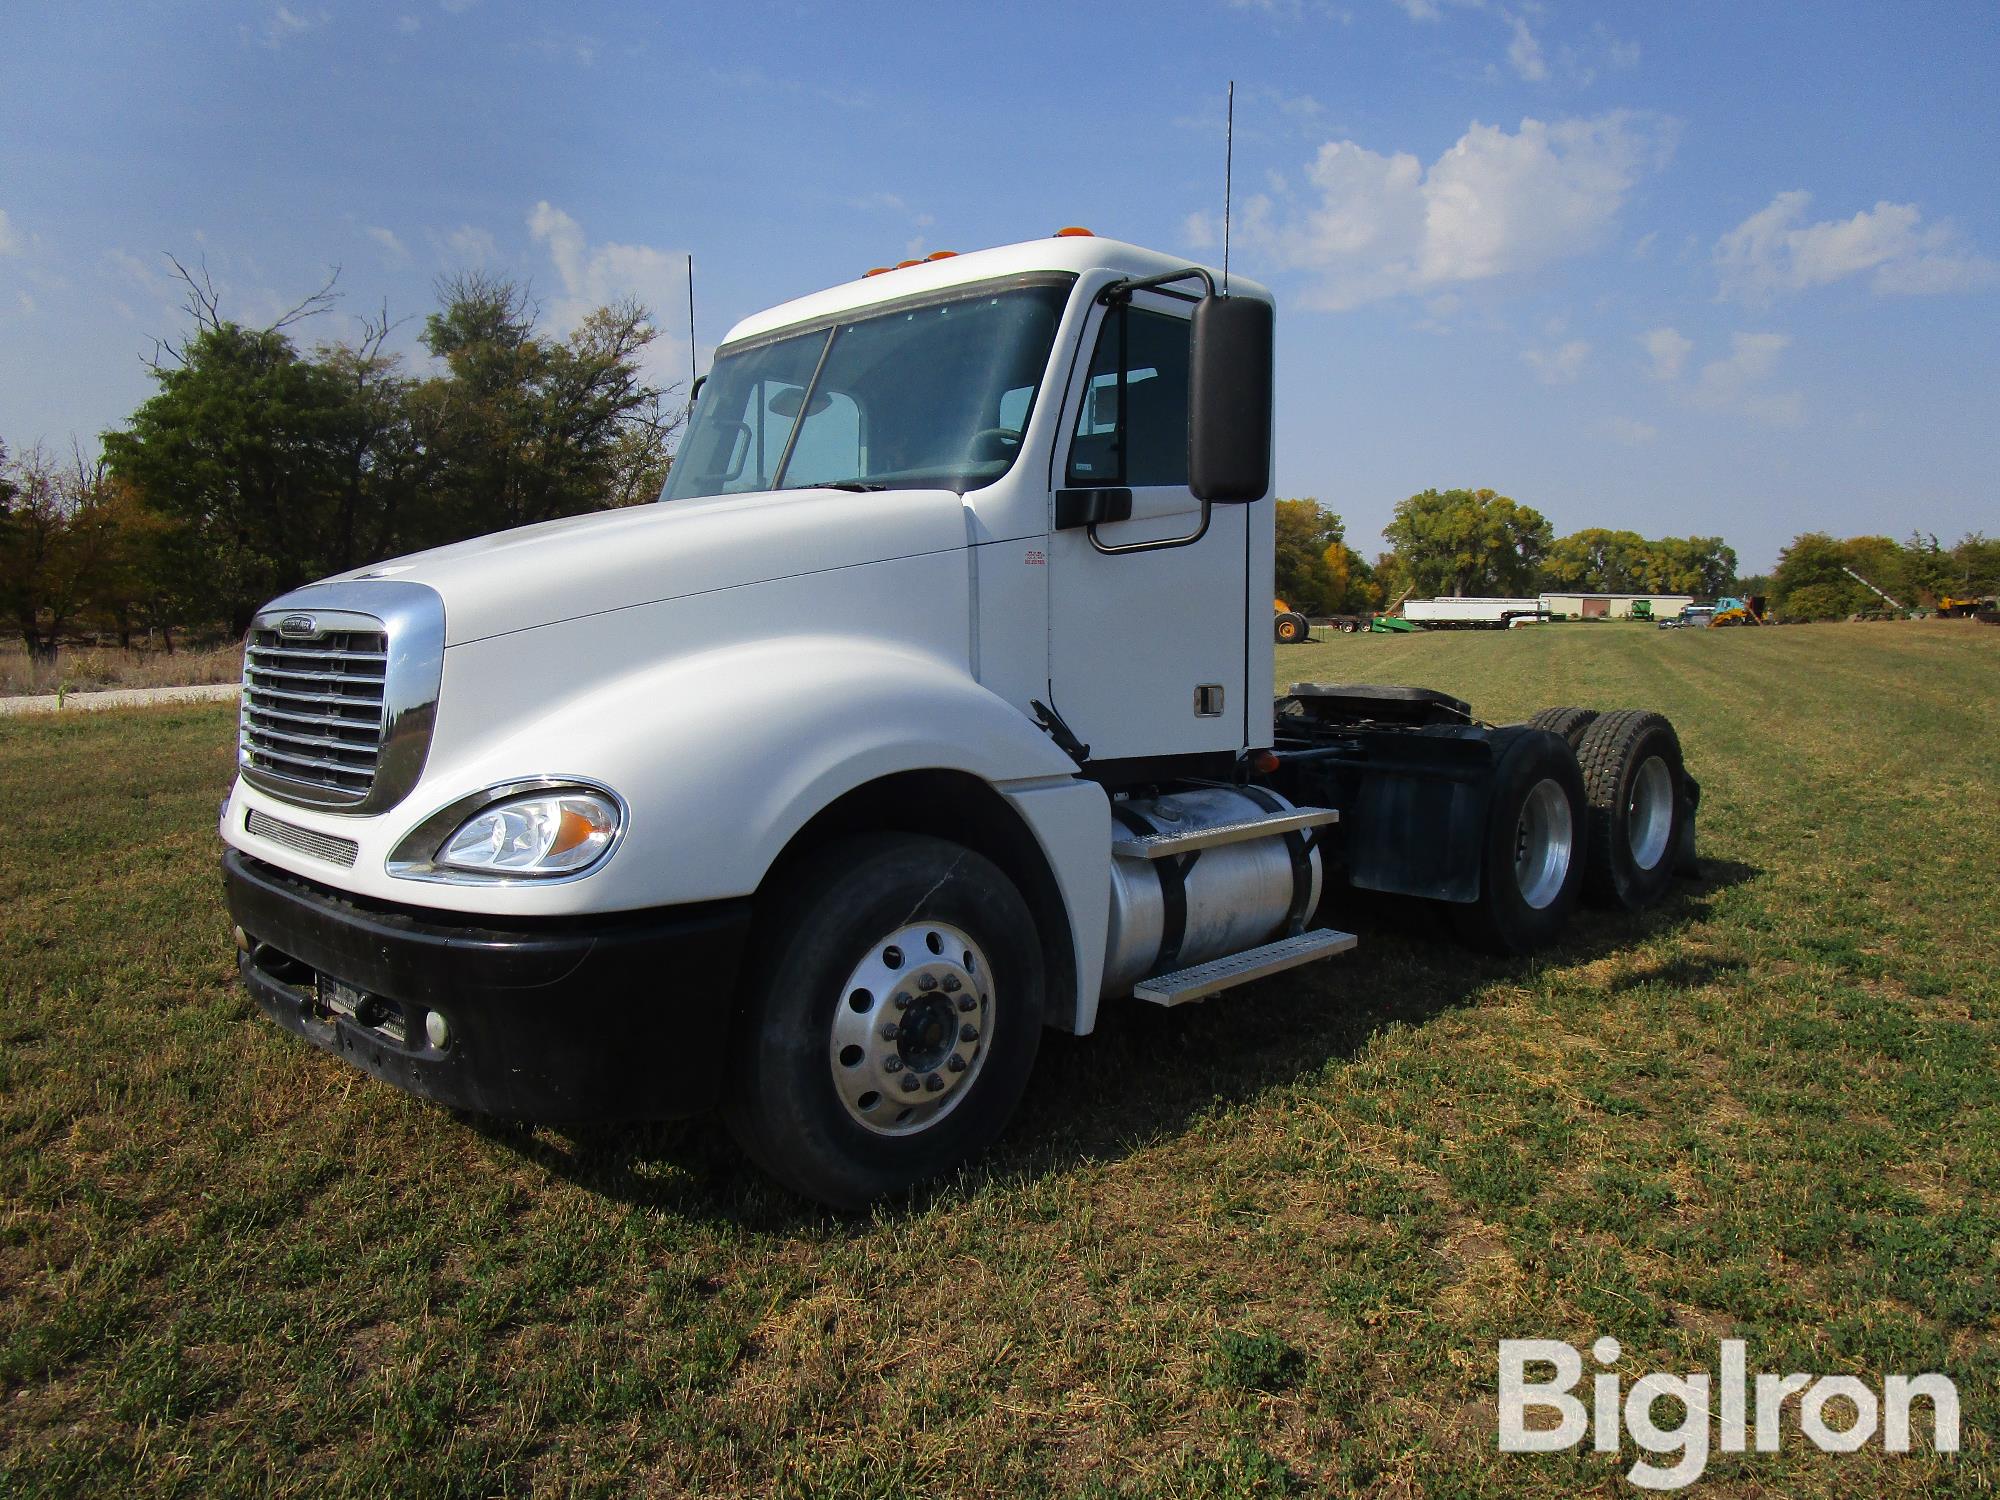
1173 887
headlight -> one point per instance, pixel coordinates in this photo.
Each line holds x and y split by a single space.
555 834
512 832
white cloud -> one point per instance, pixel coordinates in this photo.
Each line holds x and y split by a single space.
1420 10
1560 365
1496 202
141 273
472 246
1736 383
594 275
1773 252
285 23
1630 431
10 239
386 238
1669 349
1525 53
408 24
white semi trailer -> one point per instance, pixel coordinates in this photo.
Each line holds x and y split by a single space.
928 709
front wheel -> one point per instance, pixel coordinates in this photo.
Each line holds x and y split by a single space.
892 1019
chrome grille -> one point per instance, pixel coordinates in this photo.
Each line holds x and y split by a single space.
313 708
340 693
319 845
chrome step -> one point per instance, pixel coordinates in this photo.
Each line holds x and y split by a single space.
1163 845
1178 986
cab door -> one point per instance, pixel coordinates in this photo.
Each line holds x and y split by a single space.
1147 627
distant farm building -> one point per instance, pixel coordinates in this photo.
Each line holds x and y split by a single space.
1583 606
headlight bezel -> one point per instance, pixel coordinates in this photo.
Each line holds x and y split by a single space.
416 855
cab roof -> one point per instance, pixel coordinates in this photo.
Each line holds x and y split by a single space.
1079 254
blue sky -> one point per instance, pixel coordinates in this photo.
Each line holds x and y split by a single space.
1684 268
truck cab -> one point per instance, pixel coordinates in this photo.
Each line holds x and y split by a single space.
924 710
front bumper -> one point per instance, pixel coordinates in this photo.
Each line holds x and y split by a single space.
621 1016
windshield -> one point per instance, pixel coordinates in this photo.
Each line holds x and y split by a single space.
935 395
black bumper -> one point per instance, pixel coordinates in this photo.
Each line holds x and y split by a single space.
620 1017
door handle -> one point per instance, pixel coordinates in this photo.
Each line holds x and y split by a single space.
1098 507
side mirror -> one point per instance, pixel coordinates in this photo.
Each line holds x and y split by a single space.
1229 400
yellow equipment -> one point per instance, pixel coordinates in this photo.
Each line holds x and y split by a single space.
1288 624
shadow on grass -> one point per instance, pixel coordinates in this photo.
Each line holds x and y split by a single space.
1145 1073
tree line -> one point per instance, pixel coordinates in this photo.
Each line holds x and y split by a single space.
258 464
1477 542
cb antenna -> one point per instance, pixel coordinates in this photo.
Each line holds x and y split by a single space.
692 377
1228 166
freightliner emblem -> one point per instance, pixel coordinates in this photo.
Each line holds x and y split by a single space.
298 625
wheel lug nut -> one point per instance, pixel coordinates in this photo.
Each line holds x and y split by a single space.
892 1065
903 1002
951 984
891 1031
932 1084
968 1032
928 982
956 1064
909 1083
966 1002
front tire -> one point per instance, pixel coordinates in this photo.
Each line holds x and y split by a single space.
1531 869
891 1021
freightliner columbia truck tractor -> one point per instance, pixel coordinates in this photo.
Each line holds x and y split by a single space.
926 710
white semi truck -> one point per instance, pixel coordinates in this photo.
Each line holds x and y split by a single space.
926 710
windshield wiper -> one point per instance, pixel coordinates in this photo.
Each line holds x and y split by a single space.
852 486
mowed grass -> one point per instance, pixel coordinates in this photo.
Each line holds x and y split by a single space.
1260 1246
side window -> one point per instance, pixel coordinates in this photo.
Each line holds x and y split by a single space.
1133 427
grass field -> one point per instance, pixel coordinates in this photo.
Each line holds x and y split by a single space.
83 669
1261 1246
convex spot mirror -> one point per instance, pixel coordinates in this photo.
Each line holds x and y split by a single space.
1229 400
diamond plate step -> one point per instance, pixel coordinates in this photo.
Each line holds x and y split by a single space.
1161 845
1178 986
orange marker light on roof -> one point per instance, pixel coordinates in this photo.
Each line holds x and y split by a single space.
1074 231
876 271
902 263
941 255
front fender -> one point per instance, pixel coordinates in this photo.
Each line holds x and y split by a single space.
723 755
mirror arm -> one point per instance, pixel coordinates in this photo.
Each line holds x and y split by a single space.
1119 291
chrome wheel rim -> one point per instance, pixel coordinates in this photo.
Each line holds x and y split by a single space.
909 1029
1649 816
1544 840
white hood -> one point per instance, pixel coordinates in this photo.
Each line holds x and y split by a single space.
610 560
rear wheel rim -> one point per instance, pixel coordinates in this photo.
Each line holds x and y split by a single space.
1544 843
910 1028
1649 816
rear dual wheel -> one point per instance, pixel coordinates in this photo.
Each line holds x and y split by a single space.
1639 807
1531 869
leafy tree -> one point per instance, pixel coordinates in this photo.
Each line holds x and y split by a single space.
1305 530
1469 542
1623 562
1811 581
239 449
1353 581
522 428
57 535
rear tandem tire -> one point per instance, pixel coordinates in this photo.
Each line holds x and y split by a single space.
1531 855
1636 788
818 1097
1570 723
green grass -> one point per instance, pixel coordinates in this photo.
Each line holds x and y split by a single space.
1261 1246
